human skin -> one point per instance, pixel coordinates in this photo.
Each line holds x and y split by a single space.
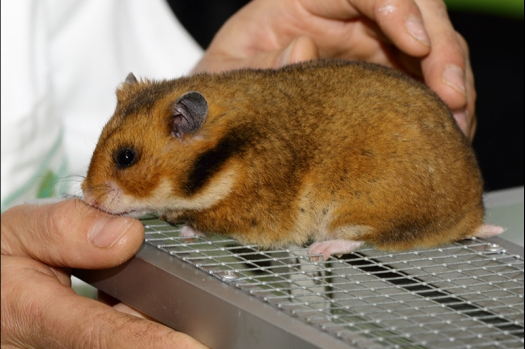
415 36
39 308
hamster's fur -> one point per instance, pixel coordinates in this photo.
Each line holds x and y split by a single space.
338 153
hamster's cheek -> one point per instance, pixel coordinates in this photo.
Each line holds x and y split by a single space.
110 197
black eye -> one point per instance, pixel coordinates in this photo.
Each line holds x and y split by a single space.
125 157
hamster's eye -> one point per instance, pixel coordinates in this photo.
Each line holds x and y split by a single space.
125 157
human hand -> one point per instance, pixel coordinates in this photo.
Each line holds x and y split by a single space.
415 36
39 308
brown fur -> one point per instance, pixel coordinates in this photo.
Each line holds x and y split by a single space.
314 151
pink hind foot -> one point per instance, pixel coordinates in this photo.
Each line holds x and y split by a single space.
487 231
333 247
189 232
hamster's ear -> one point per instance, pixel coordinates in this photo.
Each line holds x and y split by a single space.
189 113
123 89
131 79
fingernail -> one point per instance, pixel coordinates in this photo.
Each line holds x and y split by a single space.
107 231
461 117
415 27
454 77
286 55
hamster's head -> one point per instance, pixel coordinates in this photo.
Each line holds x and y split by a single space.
146 149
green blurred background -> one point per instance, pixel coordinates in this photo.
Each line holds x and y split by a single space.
512 8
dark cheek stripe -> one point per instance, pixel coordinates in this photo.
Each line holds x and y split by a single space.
210 162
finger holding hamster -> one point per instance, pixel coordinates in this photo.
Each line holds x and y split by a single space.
70 234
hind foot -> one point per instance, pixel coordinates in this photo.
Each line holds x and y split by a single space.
188 232
488 230
333 247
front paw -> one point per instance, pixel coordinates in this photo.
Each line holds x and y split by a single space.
171 218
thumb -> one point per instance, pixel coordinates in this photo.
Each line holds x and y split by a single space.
70 234
300 49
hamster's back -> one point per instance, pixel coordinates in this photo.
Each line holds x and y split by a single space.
359 142
317 150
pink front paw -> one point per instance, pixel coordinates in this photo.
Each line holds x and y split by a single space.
189 232
333 247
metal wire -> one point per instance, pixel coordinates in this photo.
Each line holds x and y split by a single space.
463 295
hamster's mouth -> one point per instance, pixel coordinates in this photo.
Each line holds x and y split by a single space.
137 213
133 213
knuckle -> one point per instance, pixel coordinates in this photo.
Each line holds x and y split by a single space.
21 318
436 8
56 220
453 47
384 8
462 43
439 5
93 334
61 217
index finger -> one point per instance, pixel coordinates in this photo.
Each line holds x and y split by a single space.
38 311
109 326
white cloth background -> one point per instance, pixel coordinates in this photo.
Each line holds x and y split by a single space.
61 63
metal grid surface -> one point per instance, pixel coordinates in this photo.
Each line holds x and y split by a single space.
463 295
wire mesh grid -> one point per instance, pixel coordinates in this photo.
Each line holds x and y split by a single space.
463 295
